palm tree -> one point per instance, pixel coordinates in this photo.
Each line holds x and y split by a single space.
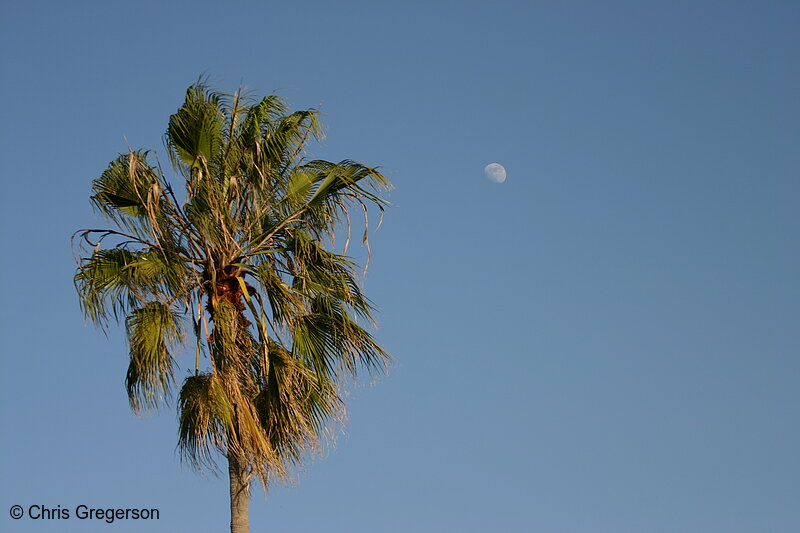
244 261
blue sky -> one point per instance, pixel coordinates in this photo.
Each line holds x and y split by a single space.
607 342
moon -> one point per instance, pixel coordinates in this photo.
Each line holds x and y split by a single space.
495 172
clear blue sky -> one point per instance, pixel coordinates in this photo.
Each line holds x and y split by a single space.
607 342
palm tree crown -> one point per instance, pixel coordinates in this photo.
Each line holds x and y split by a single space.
240 261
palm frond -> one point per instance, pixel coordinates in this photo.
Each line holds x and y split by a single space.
111 282
195 132
332 343
152 330
129 192
296 406
205 419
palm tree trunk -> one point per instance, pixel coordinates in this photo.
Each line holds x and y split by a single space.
240 496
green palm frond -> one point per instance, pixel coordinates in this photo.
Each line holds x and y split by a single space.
152 330
129 193
195 131
205 416
116 280
333 344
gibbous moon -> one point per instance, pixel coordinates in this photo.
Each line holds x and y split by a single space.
495 172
